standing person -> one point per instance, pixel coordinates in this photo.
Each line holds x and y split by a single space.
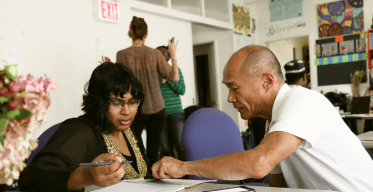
147 63
295 73
171 92
107 131
307 144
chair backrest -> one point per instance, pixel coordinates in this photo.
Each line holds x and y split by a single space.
43 140
209 132
190 109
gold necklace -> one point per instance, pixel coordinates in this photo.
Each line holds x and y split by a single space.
130 171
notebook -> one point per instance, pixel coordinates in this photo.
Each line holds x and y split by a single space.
360 105
162 185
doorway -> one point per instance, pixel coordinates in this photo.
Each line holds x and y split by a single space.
290 49
204 65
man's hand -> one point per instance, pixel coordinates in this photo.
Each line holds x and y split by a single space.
167 167
104 59
108 174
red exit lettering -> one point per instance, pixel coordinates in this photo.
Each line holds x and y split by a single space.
109 10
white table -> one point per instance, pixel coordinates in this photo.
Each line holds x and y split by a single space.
351 120
210 186
366 139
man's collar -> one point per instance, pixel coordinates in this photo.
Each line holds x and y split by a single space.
281 95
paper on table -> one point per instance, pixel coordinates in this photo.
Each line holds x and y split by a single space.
163 185
368 136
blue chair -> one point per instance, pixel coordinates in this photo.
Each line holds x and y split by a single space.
43 140
209 132
190 109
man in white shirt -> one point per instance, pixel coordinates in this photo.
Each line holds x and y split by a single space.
295 73
307 144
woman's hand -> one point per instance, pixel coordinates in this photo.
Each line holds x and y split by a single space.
108 174
172 48
163 80
104 59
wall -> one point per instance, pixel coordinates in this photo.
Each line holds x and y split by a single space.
284 49
223 46
226 43
208 49
63 39
302 26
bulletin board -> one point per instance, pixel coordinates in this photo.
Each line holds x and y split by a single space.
338 57
285 9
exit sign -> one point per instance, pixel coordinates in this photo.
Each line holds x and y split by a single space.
108 11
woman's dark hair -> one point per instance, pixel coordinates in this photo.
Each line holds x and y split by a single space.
165 49
109 78
139 28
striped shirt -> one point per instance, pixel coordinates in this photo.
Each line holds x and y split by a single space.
170 92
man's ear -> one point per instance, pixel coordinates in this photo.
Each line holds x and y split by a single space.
145 36
268 80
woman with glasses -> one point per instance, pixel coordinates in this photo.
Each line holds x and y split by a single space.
108 131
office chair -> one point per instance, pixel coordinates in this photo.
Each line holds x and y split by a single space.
43 140
208 133
190 109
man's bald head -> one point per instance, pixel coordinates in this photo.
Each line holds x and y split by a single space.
257 60
253 77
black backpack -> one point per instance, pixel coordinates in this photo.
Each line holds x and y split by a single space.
248 138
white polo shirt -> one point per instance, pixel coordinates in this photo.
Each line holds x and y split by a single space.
330 157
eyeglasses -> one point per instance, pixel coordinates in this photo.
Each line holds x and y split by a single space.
120 104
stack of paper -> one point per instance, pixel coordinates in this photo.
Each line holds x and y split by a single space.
152 185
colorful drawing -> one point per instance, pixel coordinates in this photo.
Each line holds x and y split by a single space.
241 20
340 18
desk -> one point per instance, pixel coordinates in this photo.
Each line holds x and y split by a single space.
366 139
212 186
351 120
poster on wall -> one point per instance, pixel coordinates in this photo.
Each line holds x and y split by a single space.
241 20
340 18
285 9
338 57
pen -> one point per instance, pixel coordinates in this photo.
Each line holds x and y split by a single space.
101 163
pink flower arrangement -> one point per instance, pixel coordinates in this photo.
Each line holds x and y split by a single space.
23 107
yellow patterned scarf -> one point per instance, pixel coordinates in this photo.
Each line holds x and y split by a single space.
130 171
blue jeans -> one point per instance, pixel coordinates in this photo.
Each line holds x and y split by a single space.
171 134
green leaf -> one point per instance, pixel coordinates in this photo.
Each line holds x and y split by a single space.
10 76
23 94
13 114
24 114
3 123
13 70
6 80
4 99
1 140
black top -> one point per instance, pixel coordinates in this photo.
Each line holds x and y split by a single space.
77 140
